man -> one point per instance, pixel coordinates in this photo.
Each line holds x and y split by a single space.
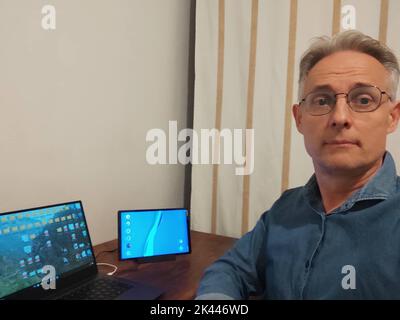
337 237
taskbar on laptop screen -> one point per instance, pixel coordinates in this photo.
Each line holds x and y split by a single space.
54 236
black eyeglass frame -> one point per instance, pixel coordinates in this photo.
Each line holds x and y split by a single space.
347 100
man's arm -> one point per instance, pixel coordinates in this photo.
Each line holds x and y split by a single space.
240 272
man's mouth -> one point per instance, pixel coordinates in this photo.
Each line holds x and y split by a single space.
342 143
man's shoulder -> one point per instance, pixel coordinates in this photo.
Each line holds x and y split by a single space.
292 192
290 198
398 184
290 195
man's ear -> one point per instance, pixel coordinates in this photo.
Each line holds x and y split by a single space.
394 118
297 114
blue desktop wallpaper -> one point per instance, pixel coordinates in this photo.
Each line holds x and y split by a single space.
153 233
29 240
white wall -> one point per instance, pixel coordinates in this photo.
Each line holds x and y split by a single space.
76 104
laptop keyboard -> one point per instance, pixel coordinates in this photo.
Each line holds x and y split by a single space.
98 289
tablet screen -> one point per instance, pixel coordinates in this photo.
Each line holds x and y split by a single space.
149 233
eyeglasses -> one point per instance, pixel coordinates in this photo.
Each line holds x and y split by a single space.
359 99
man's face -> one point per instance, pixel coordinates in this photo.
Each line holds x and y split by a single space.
325 136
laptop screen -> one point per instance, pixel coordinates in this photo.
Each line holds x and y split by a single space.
149 233
31 239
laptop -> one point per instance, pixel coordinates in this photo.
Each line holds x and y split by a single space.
46 253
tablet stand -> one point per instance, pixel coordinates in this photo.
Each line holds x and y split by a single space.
170 257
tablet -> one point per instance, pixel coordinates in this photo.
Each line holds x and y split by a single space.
153 233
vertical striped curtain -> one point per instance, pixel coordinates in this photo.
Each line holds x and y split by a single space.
247 57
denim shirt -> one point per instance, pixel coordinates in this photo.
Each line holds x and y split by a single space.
296 251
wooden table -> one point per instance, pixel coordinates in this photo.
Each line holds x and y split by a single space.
178 278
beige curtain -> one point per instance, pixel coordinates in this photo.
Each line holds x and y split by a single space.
247 56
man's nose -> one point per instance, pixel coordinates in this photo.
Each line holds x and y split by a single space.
340 116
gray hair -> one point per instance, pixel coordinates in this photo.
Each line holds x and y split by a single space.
350 40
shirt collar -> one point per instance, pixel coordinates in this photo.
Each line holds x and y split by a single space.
381 186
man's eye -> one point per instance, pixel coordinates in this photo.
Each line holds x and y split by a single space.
364 100
321 101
